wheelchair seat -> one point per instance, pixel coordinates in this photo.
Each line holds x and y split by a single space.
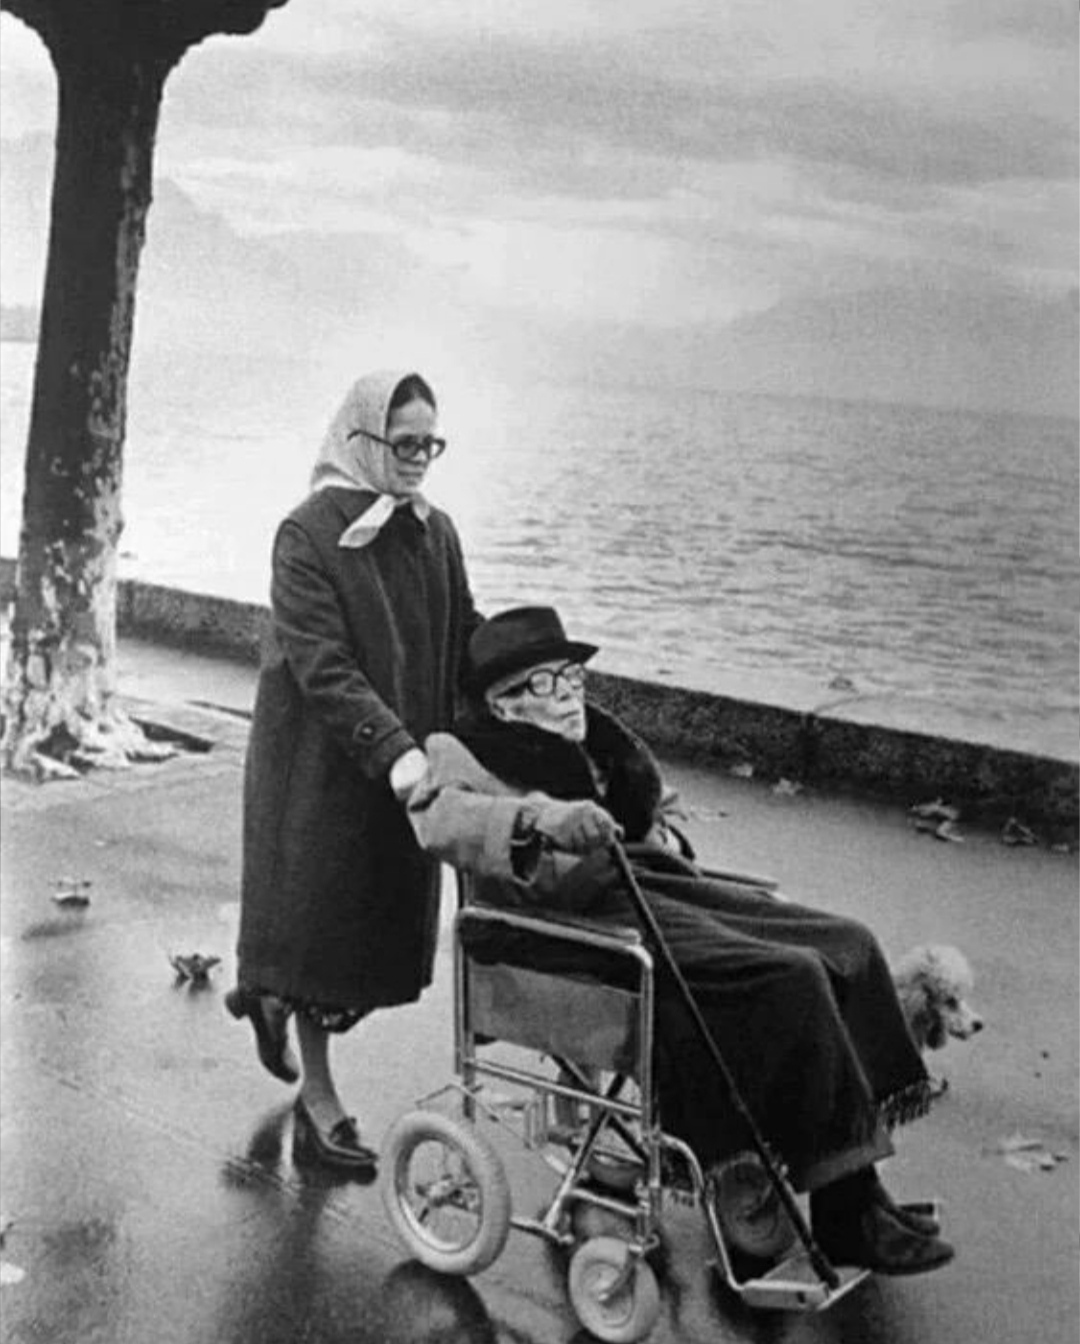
564 985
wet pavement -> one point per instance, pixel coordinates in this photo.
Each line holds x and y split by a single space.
148 1187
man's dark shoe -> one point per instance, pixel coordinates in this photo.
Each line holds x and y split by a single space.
873 1238
269 1019
921 1217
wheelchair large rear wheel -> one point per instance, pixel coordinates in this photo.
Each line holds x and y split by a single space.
613 1291
446 1192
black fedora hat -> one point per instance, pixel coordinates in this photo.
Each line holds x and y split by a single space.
519 638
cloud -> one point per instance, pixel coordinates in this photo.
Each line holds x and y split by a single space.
648 163
523 107
942 91
338 188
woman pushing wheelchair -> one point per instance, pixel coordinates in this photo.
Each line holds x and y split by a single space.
529 794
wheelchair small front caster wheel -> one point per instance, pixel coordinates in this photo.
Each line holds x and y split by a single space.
613 1291
748 1208
446 1193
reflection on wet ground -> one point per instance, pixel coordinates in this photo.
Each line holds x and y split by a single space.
416 1305
410 1304
265 1156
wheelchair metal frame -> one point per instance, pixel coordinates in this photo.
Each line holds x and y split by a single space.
802 1280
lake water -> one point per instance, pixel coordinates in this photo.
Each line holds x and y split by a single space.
722 541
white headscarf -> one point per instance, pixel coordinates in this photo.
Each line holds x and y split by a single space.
360 463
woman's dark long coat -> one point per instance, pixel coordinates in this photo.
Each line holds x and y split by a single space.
340 906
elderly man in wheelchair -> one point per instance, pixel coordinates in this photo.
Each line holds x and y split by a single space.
529 796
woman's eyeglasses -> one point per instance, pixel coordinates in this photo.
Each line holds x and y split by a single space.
409 448
543 682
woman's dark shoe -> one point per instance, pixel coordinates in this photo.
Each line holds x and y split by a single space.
873 1238
269 1018
340 1148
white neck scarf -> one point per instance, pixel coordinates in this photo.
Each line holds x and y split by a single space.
352 461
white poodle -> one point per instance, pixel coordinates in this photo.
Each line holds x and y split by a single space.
932 984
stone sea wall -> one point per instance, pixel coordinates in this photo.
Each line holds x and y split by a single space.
826 749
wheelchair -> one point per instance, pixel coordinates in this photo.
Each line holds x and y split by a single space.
592 1120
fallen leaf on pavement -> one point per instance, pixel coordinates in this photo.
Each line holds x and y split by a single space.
1016 833
1021 1162
940 830
787 788
72 891
1017 1142
193 966
1025 1153
938 810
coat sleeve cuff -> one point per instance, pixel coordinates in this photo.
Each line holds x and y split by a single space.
377 748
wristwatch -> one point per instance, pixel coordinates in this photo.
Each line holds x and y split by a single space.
524 825
526 843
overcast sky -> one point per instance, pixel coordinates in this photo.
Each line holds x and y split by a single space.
638 160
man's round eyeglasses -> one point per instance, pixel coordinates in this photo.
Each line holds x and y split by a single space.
410 447
543 682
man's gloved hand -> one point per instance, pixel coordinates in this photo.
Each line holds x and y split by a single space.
577 828
407 771
588 886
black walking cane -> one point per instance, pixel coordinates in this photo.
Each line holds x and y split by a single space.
821 1264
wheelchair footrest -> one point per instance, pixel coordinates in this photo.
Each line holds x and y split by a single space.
794 1285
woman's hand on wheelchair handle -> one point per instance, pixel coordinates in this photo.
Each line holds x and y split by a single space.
578 827
409 770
